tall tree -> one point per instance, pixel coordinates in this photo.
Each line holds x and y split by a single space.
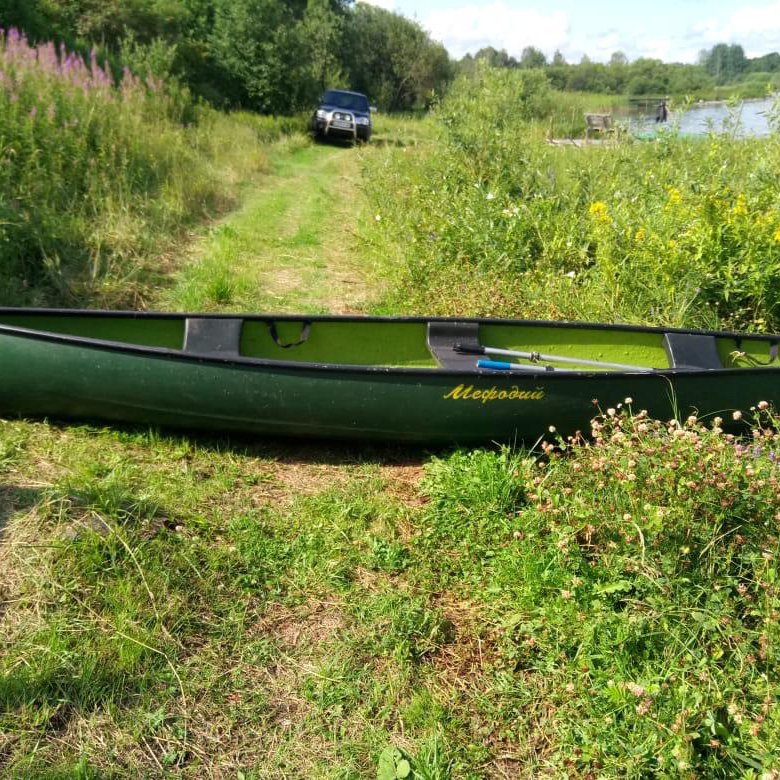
36 17
259 44
495 57
532 58
724 62
323 32
618 59
392 59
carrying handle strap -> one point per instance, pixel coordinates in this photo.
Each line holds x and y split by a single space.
774 348
305 331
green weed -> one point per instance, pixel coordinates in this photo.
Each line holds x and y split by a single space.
634 594
489 219
97 178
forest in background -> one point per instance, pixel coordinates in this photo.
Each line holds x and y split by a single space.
723 70
277 56
270 56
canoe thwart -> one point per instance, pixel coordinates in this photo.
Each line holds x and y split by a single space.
692 350
445 340
213 336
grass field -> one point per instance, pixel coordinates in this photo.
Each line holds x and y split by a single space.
100 182
294 245
676 231
185 606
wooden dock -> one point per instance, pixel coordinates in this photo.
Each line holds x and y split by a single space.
582 142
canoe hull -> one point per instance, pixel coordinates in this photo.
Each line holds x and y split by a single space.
58 380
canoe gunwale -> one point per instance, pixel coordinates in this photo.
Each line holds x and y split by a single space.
359 318
242 362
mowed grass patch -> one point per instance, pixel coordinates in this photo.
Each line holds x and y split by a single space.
180 607
165 611
293 246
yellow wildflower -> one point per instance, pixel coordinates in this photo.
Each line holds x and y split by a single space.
672 244
599 211
776 236
740 207
675 196
640 235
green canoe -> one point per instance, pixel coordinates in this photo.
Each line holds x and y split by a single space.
398 379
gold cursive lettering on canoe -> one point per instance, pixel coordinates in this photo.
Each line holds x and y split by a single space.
468 393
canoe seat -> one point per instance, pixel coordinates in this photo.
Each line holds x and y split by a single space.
442 338
692 350
213 336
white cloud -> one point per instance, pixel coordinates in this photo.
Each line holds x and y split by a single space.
388 5
501 24
756 27
497 24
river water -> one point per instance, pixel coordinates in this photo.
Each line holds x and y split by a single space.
749 118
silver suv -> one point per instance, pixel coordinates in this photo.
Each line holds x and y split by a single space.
343 114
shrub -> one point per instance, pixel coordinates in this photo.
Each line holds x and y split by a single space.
95 173
634 594
679 231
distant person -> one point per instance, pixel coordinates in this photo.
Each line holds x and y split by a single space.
662 114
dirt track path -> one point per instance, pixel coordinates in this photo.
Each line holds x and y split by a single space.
293 246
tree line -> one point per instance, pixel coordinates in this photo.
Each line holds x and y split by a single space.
277 56
722 65
272 56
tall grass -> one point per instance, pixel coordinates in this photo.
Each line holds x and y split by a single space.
676 231
633 594
94 173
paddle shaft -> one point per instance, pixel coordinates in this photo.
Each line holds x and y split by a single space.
500 365
537 356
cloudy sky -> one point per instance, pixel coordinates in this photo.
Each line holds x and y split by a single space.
671 30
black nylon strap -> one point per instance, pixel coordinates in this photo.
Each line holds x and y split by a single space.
305 330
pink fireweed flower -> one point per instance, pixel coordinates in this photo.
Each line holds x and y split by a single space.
47 58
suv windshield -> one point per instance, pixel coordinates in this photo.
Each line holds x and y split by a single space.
347 100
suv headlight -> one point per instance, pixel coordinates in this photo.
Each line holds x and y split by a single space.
322 113
363 120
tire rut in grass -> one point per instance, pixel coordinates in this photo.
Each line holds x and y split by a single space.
292 247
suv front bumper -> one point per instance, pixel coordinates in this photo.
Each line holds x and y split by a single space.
341 124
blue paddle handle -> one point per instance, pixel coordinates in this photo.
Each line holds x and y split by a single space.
496 365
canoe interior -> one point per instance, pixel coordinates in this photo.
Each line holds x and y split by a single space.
393 343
